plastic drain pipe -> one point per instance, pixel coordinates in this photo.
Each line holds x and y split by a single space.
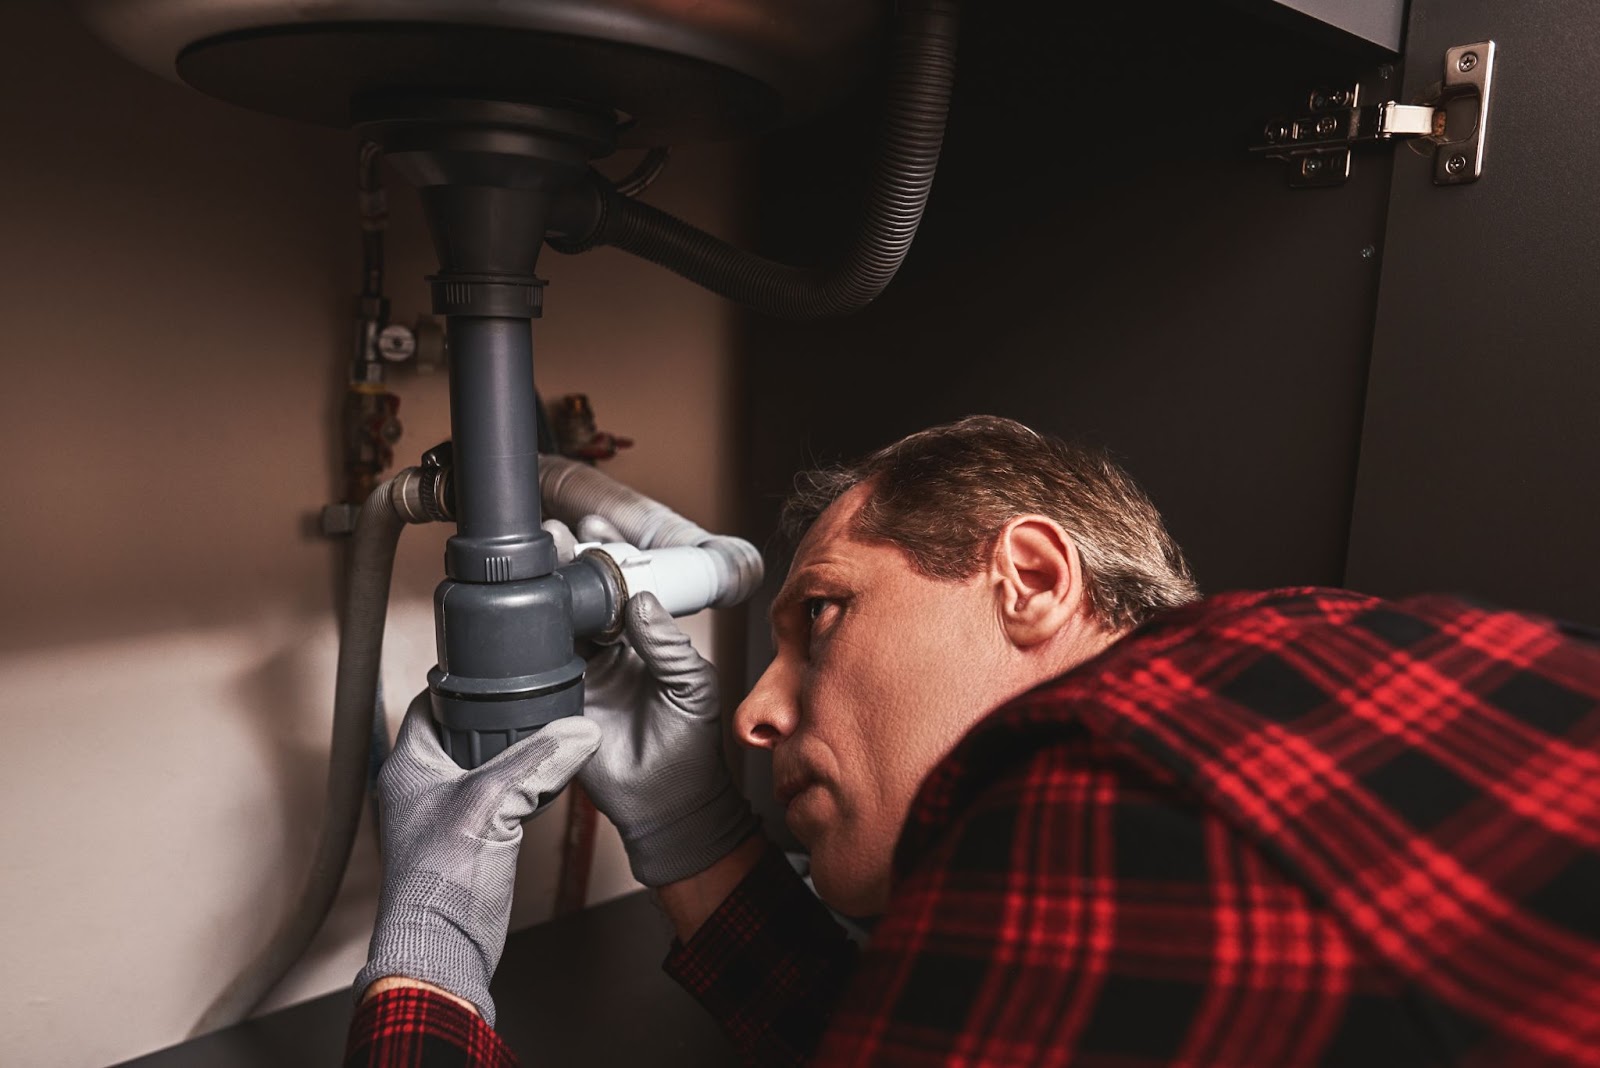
732 567
685 566
723 570
377 532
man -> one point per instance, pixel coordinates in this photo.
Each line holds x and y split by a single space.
1101 822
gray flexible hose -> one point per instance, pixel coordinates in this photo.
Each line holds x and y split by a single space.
376 535
572 490
921 76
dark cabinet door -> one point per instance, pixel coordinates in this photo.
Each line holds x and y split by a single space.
1480 451
1102 259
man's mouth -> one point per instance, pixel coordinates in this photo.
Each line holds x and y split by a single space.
789 789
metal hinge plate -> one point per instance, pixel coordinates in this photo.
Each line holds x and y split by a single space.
1318 143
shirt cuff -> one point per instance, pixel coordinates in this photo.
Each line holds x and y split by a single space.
410 1025
769 964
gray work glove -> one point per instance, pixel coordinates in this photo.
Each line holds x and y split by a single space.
590 528
450 841
659 774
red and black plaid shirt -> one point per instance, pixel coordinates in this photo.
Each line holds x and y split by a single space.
1296 827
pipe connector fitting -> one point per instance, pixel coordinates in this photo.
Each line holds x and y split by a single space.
686 578
572 491
604 622
422 495
506 663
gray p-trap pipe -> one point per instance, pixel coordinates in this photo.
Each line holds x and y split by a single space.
505 631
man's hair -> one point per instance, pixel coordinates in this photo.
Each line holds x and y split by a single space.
942 495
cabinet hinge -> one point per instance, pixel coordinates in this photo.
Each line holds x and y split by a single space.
1318 144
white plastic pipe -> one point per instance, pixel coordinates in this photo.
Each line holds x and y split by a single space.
573 490
685 578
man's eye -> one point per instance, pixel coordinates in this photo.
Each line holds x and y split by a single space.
814 608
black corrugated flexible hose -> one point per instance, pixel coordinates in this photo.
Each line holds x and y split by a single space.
921 75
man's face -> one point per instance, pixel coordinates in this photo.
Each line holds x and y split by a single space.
879 672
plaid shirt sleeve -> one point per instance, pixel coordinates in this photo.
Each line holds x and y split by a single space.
409 1027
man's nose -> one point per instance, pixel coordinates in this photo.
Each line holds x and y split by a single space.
769 713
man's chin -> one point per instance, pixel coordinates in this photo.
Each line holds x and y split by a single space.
852 888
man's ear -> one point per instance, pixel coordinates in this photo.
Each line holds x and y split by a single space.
1037 579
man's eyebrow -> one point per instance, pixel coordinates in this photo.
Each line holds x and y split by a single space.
790 593
785 598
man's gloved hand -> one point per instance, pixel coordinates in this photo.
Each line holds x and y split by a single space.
659 774
591 528
450 841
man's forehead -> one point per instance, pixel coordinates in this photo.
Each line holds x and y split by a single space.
823 548
832 528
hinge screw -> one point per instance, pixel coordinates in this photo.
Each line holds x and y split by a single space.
1456 164
1326 125
1310 165
1368 252
1467 63
1276 131
1386 71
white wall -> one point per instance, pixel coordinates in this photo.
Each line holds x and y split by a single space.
176 279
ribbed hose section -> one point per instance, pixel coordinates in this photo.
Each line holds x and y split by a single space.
360 649
922 72
573 490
